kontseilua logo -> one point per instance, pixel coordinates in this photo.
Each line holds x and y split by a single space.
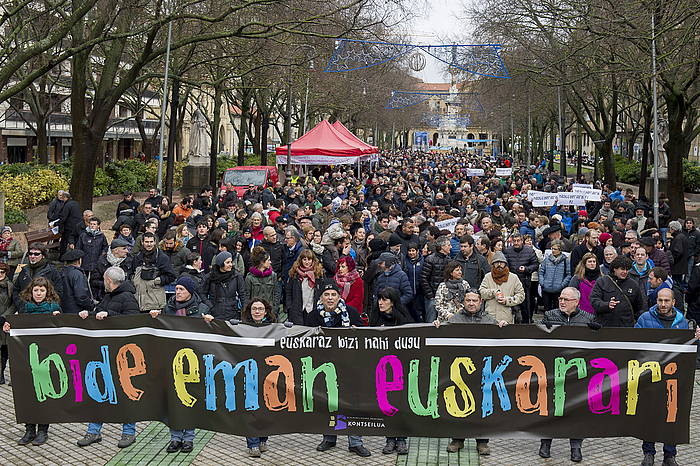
341 422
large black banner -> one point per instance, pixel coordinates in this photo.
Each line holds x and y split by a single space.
417 380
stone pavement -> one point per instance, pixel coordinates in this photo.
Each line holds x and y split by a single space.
300 449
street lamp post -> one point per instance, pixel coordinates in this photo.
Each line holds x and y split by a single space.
162 107
656 121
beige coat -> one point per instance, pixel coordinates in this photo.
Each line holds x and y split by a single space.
513 291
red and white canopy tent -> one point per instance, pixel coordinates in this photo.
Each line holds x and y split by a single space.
326 145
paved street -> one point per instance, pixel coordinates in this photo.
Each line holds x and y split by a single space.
299 449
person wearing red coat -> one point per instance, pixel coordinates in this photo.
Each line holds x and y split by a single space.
352 288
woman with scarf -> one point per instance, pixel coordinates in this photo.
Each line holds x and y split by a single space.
331 311
392 313
262 281
450 293
258 312
501 290
224 289
641 266
352 288
11 251
185 303
256 230
302 291
585 276
39 297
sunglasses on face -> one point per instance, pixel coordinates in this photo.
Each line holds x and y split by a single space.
34 254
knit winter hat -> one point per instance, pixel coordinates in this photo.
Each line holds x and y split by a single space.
498 256
187 283
221 258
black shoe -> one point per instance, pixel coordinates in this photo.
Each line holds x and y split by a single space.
41 438
401 447
576 455
325 445
545 448
389 447
187 447
89 439
360 450
29 435
174 446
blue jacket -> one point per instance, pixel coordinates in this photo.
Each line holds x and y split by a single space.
413 270
553 275
567 218
454 246
650 319
526 229
397 279
652 293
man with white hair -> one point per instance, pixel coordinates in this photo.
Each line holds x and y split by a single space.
119 300
568 313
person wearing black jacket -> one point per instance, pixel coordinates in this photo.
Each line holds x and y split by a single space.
680 249
275 249
616 298
224 290
193 270
391 314
474 265
68 223
119 300
202 245
590 244
93 243
126 211
152 273
38 266
568 313
331 311
76 292
147 212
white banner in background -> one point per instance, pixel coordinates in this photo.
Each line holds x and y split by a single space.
448 224
475 172
541 199
582 185
573 198
590 193
504 171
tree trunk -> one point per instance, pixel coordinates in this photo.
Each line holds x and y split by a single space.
609 176
264 128
677 148
42 140
241 138
216 123
172 138
552 144
579 151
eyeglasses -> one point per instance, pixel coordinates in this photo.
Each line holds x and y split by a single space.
567 299
34 254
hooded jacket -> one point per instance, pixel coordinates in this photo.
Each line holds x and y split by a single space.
651 319
93 244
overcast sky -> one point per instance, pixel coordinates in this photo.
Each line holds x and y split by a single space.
439 23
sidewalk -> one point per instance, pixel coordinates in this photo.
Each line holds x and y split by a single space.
300 449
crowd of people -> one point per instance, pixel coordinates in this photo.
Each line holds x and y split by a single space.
335 250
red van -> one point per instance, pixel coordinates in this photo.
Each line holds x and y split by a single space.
241 178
